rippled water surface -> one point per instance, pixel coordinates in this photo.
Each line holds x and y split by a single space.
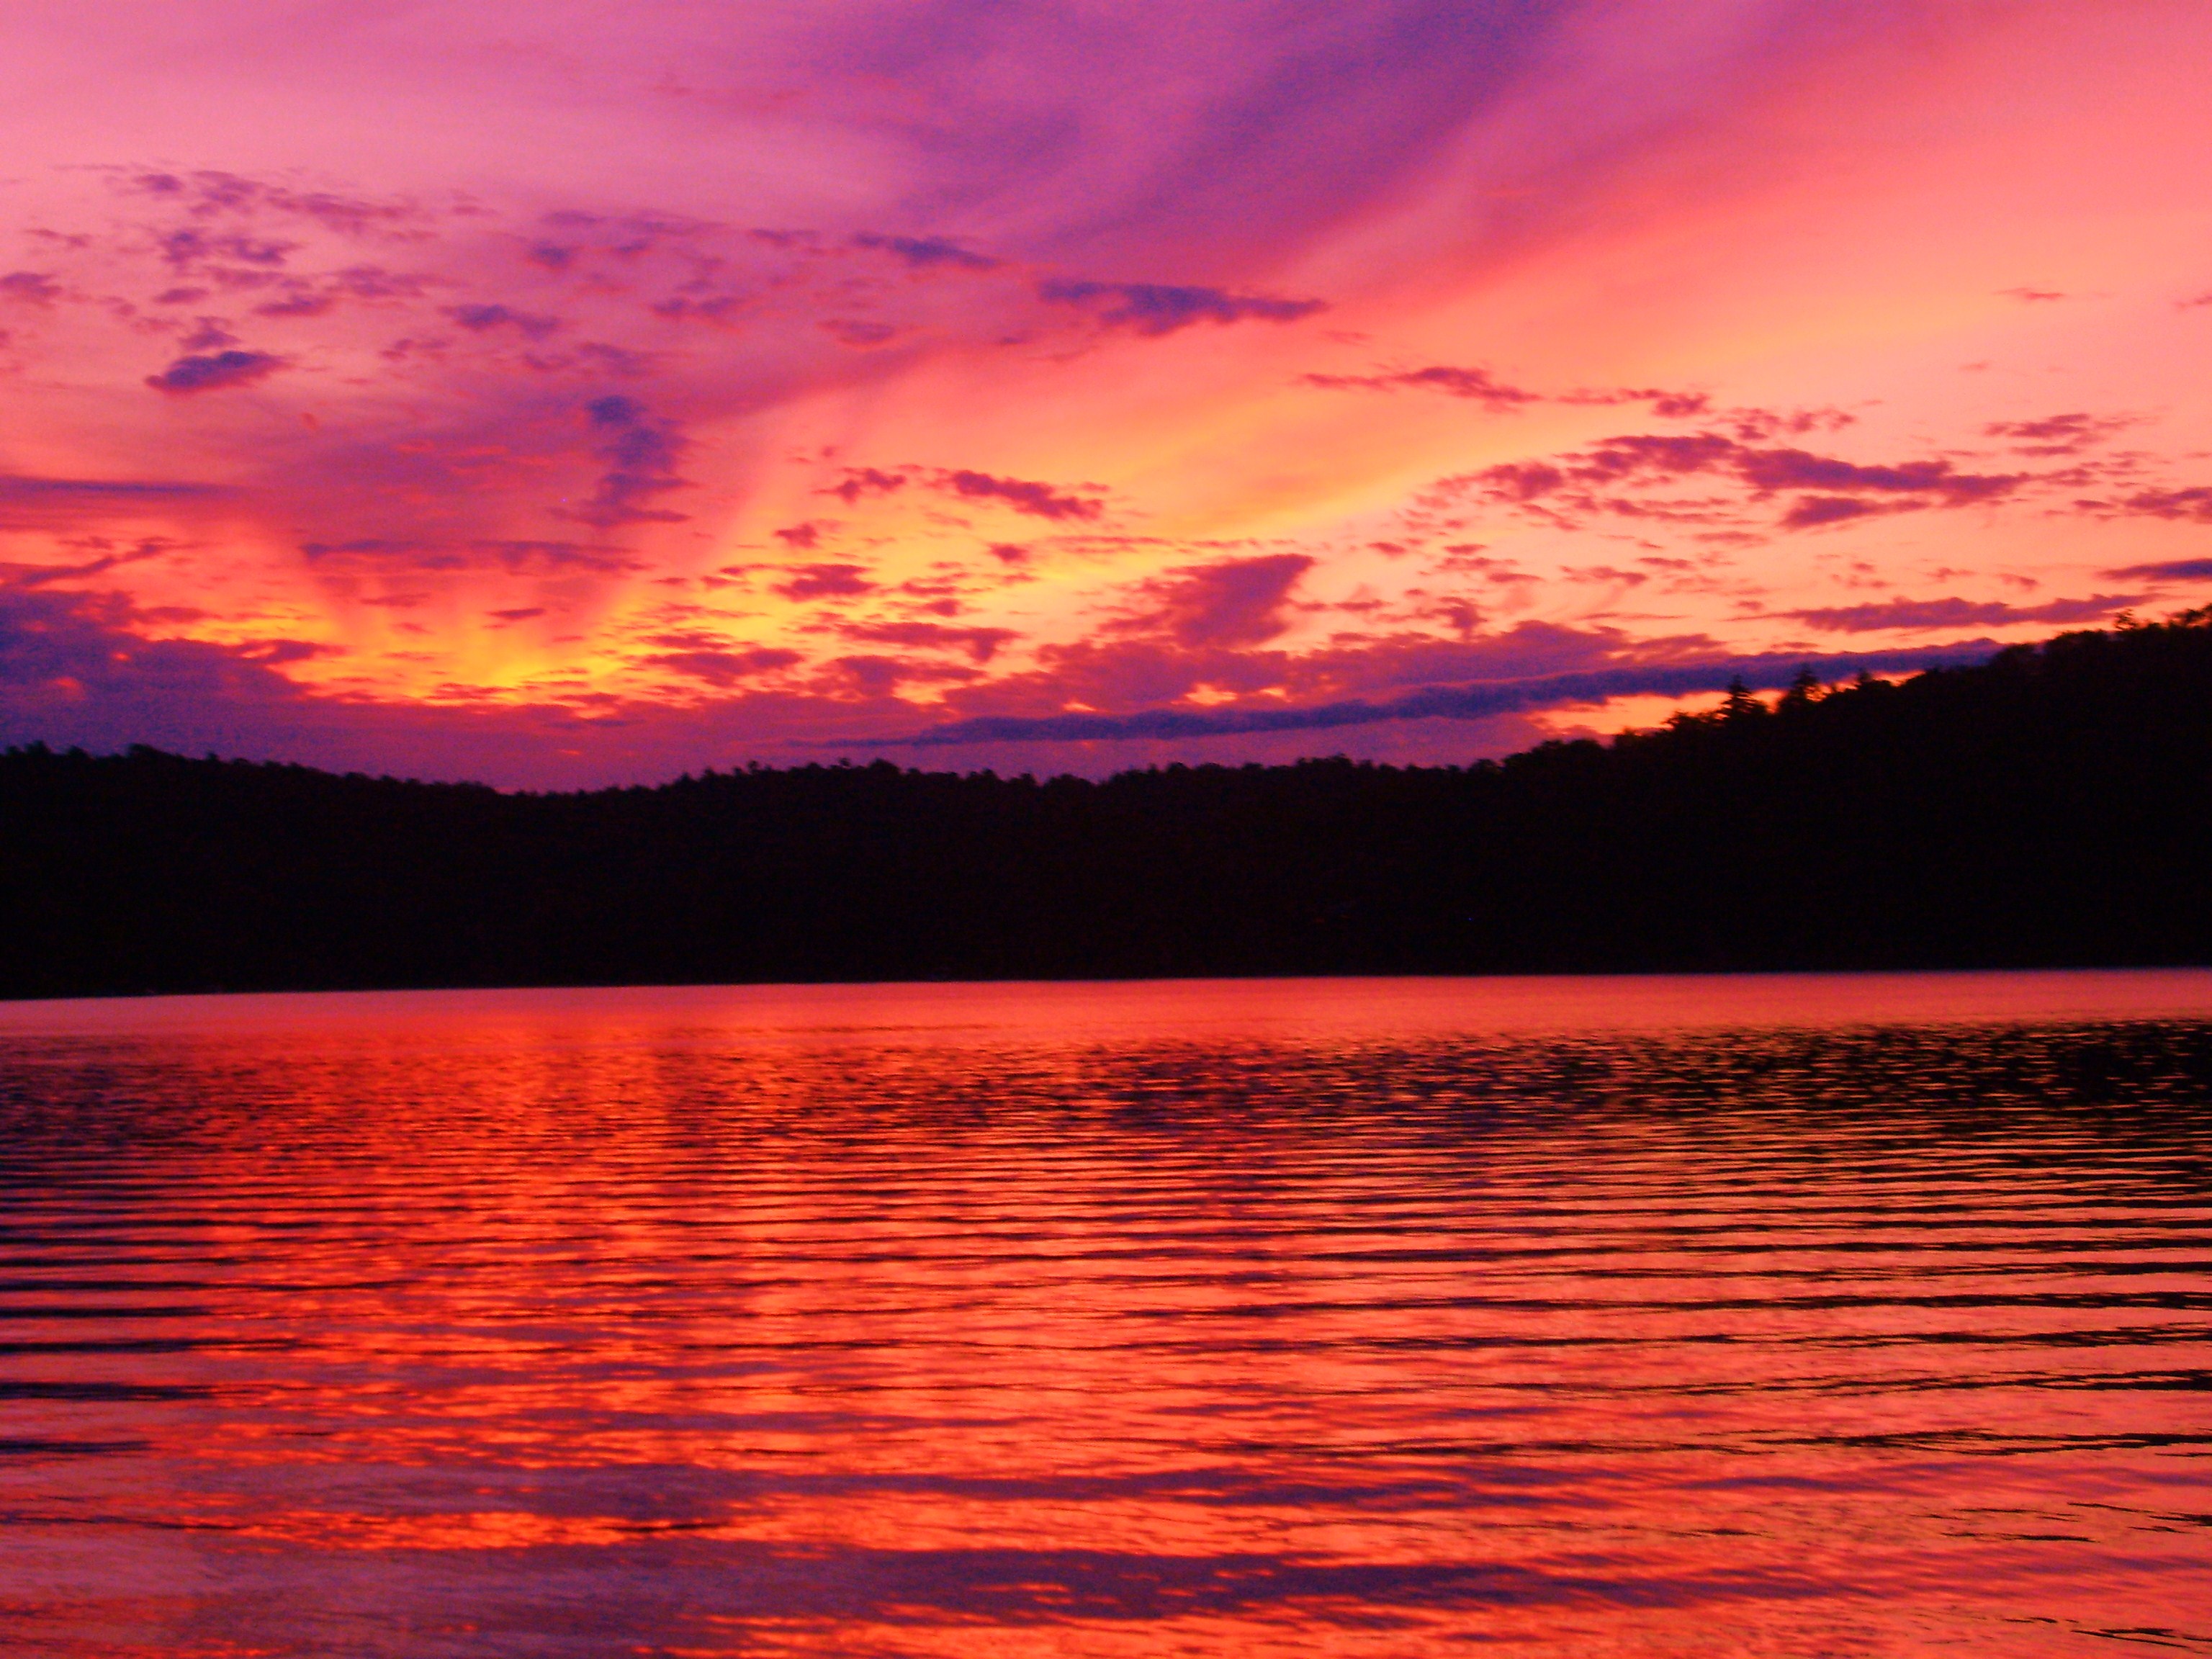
1789 1316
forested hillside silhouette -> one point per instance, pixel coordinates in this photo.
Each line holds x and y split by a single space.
2053 806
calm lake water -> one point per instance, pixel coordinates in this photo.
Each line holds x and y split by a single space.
1791 1316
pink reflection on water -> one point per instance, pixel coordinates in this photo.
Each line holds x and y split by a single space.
1156 1009
960 1320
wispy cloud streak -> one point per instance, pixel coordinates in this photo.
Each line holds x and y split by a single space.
1459 703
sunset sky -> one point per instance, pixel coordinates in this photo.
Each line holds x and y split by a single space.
571 392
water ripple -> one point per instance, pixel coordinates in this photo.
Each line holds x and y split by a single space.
549 1326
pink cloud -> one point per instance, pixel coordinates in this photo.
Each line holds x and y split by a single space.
1924 615
1232 602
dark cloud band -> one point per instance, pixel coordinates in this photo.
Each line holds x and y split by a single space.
1474 702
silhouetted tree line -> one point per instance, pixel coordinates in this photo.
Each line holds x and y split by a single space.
2048 807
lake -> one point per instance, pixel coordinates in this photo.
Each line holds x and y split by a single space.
1790 1316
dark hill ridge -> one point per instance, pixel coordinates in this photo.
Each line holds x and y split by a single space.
2048 807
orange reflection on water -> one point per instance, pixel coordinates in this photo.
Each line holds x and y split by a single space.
1284 1318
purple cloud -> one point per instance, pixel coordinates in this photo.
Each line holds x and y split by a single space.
375 282
1039 501
1669 405
72 669
1027 495
189 247
926 252
1480 386
35 288
1466 701
64 495
1476 385
2194 503
1808 512
881 676
641 455
214 372
296 304
44 575
515 557
1797 469
1611 464
826 582
980 644
300 297
860 481
210 334
1235 602
2175 570
724 668
1155 308
2059 435
480 318
1921 615
211 194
